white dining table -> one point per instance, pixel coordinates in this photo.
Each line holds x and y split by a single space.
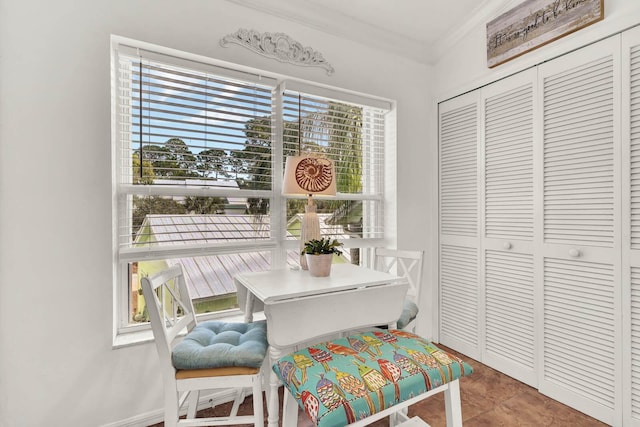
301 309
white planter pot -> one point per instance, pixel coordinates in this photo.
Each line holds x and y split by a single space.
319 265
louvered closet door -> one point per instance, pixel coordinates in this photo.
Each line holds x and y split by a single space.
508 206
580 343
459 224
631 221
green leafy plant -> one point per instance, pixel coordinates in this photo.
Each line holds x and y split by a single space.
322 246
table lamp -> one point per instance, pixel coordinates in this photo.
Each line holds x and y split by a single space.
310 175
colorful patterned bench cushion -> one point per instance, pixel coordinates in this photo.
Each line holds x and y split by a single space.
341 381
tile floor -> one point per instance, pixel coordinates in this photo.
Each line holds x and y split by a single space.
489 399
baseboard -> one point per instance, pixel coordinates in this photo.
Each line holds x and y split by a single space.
157 416
141 420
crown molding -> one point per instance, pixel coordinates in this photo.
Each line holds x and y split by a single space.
277 46
483 13
376 37
342 26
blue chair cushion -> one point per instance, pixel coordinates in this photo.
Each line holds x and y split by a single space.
341 381
215 344
409 312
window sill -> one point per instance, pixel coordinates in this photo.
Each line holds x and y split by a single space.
131 338
127 339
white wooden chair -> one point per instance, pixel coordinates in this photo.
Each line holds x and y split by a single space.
407 264
200 364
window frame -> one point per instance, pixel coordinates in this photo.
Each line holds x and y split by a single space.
277 244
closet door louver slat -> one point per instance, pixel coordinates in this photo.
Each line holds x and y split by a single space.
509 311
579 328
509 164
631 47
459 298
635 147
508 227
458 171
579 182
459 225
635 343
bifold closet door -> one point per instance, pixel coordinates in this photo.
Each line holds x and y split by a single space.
459 226
631 221
507 262
580 341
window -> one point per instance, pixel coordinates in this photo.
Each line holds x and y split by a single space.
199 151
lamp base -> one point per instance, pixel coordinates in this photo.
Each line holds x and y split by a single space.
309 230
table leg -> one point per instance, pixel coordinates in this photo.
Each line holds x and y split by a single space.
273 405
248 308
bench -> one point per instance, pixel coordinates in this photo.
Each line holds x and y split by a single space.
367 376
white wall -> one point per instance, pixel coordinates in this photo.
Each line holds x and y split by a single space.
464 68
57 365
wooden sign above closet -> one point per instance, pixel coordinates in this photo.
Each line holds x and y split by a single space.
535 23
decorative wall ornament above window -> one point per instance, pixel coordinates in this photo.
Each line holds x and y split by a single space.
278 46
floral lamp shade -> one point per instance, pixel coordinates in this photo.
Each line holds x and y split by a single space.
309 175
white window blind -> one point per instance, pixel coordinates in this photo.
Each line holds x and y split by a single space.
190 121
351 135
192 142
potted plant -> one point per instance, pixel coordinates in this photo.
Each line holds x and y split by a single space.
319 254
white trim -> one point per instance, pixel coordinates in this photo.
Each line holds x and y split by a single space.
157 416
163 252
342 26
132 47
278 222
183 190
338 95
119 42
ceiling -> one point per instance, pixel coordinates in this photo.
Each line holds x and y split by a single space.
418 29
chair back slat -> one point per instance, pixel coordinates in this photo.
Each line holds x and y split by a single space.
170 308
179 326
404 263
